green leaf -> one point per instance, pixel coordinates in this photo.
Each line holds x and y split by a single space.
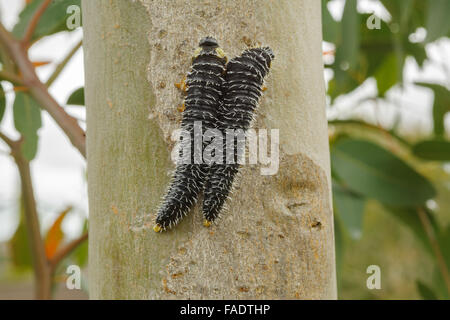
339 248
348 48
443 239
438 23
425 291
2 102
53 19
350 209
77 97
417 51
441 105
387 74
433 150
27 120
19 245
81 252
376 173
329 25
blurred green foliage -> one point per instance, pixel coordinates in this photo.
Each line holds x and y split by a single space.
27 121
377 165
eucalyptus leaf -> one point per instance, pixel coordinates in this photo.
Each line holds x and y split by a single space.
374 172
348 48
27 120
425 291
387 74
19 245
53 19
350 209
339 247
441 105
77 97
433 150
2 102
329 25
437 21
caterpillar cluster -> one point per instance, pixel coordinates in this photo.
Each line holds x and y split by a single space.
204 94
222 96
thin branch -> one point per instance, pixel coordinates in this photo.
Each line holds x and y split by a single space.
11 77
10 142
435 246
60 67
66 250
41 267
40 93
34 21
8 65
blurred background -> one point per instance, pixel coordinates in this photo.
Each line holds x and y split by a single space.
387 71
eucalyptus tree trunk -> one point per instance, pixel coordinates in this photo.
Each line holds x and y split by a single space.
276 239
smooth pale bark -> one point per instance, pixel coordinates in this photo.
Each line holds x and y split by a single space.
276 239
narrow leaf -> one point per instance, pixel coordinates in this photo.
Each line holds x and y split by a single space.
425 291
19 245
27 120
433 150
387 74
441 105
329 25
350 209
53 19
376 173
77 97
2 102
55 235
438 23
347 51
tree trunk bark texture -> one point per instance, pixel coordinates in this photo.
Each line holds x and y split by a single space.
276 239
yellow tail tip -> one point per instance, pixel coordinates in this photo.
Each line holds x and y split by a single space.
157 228
220 53
207 223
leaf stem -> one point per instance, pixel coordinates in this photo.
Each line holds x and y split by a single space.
11 77
42 270
33 22
60 67
66 250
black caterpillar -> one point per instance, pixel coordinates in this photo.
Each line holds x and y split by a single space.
204 94
244 79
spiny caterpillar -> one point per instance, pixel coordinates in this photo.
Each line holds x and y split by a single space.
244 79
204 94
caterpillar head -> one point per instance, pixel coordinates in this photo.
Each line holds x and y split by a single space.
265 55
269 52
209 45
